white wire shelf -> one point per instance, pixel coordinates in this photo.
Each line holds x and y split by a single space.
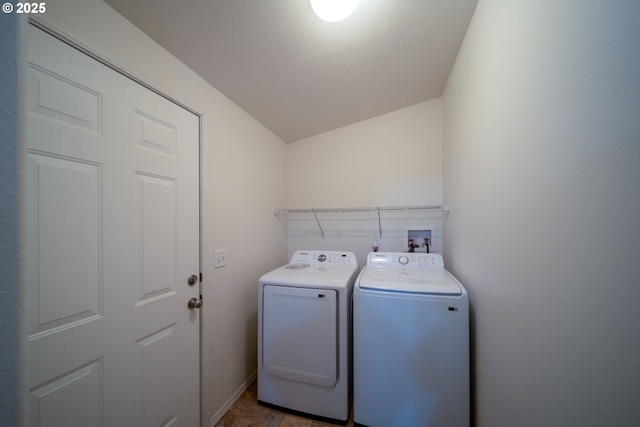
364 213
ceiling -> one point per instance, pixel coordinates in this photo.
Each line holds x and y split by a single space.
300 76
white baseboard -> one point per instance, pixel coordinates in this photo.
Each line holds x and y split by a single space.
229 403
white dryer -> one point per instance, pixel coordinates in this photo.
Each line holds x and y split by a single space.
304 334
411 343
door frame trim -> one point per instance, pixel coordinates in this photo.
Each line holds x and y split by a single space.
73 38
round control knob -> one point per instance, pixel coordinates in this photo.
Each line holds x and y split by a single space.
322 258
404 260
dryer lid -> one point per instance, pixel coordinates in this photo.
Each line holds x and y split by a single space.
435 282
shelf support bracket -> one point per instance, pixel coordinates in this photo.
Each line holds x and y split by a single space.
319 226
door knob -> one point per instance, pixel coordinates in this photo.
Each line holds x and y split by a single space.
194 303
192 280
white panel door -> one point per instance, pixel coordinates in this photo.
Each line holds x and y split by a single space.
111 235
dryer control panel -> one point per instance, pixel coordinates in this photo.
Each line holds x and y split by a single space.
324 258
405 260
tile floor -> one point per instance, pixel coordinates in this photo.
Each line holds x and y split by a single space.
247 412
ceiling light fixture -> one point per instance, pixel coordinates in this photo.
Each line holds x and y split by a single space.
333 10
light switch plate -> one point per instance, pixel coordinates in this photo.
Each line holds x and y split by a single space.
219 258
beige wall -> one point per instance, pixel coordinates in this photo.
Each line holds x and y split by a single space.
541 154
12 329
243 179
392 159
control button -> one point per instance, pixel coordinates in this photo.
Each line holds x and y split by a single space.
322 258
404 260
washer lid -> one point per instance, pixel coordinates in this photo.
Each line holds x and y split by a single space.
436 282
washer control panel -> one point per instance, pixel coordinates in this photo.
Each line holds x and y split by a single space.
324 258
406 260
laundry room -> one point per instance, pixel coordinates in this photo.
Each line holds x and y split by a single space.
521 171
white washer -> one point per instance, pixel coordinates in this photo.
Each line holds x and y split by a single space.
304 333
411 343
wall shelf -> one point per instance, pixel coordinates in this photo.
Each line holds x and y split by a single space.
378 213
